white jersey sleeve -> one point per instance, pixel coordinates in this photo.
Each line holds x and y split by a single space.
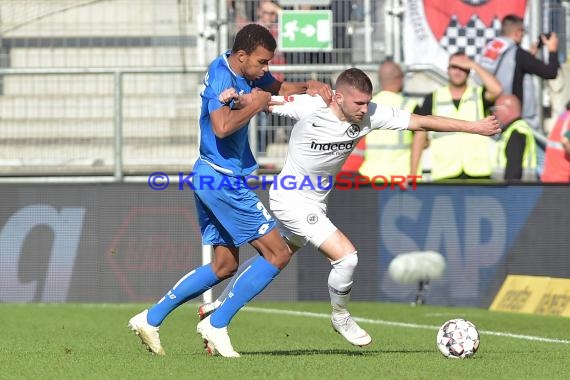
382 117
297 106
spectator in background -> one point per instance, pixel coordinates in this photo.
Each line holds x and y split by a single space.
386 152
504 58
516 148
242 12
510 63
557 156
458 155
267 15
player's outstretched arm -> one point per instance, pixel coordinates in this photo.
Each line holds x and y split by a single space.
311 87
488 126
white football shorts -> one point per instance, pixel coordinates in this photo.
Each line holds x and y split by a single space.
304 223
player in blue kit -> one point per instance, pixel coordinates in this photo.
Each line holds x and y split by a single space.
229 216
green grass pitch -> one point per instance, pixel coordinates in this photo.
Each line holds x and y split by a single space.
277 341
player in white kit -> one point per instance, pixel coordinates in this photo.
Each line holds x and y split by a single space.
321 140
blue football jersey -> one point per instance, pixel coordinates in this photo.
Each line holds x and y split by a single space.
232 154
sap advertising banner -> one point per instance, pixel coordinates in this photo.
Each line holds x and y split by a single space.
129 243
473 227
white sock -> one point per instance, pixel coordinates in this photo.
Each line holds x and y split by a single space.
340 283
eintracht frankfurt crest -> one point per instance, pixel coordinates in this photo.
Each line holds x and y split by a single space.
353 130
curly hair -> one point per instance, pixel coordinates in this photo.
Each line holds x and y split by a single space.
251 36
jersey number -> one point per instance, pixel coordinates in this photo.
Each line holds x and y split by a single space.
263 229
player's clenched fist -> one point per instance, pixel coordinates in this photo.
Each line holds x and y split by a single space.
488 126
260 98
228 95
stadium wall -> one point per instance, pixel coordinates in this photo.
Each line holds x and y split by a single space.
124 242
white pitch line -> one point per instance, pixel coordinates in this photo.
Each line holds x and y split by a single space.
400 324
324 316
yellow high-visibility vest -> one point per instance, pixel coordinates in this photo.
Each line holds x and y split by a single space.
388 152
457 152
529 154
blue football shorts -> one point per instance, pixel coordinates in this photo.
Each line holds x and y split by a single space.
228 211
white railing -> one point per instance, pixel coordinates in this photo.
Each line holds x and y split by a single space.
77 161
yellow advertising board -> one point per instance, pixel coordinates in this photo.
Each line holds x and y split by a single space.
534 295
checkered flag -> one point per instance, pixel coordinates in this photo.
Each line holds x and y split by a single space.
470 38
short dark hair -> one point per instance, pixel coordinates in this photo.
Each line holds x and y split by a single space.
251 36
355 78
509 22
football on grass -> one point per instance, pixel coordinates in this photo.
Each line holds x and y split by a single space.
458 339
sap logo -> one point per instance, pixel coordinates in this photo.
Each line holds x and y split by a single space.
66 225
325 147
471 233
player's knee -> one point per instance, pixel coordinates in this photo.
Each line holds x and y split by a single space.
282 262
225 270
279 258
348 262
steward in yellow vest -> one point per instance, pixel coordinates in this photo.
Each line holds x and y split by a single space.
388 152
456 153
459 155
516 148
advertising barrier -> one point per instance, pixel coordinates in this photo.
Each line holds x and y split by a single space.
125 242
534 295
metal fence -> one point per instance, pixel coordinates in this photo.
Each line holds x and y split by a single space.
118 122
111 87
98 121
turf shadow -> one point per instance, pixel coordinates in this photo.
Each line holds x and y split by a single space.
364 352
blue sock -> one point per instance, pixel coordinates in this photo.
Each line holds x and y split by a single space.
230 285
250 283
190 286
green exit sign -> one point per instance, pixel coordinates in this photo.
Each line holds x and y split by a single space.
305 30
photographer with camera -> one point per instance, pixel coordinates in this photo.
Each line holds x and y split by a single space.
504 57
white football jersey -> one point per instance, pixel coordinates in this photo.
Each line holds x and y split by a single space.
320 144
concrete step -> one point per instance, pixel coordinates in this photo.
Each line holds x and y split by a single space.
102 84
94 106
96 18
85 157
63 57
91 128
